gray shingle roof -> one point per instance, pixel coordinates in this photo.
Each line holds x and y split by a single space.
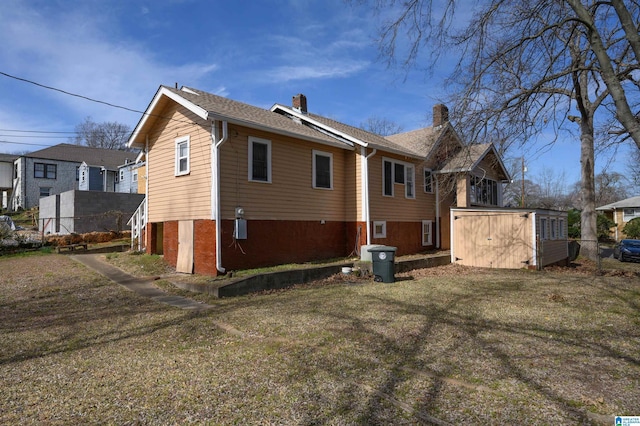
8 158
250 115
626 203
109 158
420 141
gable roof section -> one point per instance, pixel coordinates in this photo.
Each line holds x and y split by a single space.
346 132
422 141
209 106
626 203
470 157
8 158
109 158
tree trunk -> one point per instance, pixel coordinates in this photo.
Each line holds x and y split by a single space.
589 234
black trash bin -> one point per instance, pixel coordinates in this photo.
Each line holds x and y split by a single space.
383 258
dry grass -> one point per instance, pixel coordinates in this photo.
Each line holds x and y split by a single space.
449 344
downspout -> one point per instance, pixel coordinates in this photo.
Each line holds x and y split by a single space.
215 187
367 213
146 196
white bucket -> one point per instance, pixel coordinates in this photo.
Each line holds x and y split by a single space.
346 270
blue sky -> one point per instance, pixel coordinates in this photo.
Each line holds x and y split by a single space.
258 52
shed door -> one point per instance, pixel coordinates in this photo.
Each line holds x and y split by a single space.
185 247
493 240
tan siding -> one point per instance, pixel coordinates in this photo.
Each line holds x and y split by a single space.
142 179
290 195
488 168
179 197
398 208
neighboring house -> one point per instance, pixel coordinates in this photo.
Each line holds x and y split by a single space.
131 176
6 178
233 186
620 213
62 168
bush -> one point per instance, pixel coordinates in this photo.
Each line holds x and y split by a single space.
632 228
573 223
604 225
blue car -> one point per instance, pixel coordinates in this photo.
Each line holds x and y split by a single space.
627 250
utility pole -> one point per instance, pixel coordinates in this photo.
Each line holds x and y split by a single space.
522 194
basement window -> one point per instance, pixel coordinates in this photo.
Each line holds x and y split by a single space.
427 239
379 229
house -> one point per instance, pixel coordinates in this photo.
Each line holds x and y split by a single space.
131 176
509 238
620 213
61 168
6 178
233 186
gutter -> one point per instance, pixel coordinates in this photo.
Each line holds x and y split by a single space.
367 213
215 186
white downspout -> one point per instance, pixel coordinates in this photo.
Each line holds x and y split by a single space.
215 187
367 213
438 215
146 197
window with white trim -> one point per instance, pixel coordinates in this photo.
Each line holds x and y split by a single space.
428 181
561 228
322 170
554 229
45 171
379 229
121 175
134 176
629 214
427 239
259 160
483 191
182 156
398 173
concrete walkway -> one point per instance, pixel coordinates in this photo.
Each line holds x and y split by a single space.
142 286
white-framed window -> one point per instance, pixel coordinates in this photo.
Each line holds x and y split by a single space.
554 230
134 175
397 172
483 191
259 160
561 234
379 229
427 238
543 229
322 170
409 181
121 177
182 156
428 181
629 214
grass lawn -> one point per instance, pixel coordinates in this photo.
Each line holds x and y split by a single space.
446 345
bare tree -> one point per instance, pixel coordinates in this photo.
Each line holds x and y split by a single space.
527 67
633 171
109 135
381 126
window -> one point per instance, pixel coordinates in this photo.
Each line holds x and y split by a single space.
259 160
426 232
628 214
396 172
44 171
134 176
322 170
379 229
561 228
77 173
388 183
428 181
121 175
182 156
409 185
543 229
483 191
45 192
554 230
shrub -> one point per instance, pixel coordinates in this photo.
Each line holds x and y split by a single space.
604 225
632 228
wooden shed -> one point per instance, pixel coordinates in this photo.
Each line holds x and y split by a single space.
508 238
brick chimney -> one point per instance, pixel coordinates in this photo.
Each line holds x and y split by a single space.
299 103
440 115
